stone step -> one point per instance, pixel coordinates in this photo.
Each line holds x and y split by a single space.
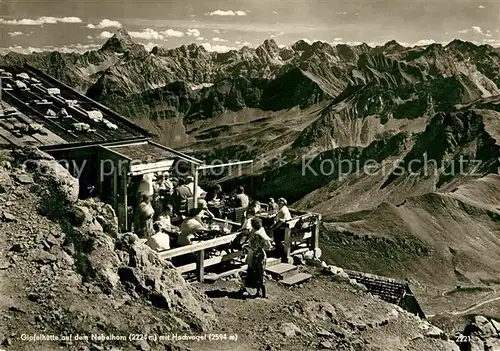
280 270
296 278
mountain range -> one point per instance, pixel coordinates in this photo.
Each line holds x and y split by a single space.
423 109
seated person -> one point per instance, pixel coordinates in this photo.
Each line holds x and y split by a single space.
255 206
215 193
164 219
190 227
160 241
273 206
241 199
205 213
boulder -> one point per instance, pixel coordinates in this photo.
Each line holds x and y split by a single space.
337 273
290 330
482 327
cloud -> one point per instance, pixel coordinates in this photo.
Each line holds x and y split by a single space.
278 34
15 34
172 33
147 34
424 42
80 48
41 21
342 13
200 38
246 43
105 23
237 42
151 34
217 48
226 13
480 7
220 40
193 32
276 12
337 39
89 37
149 46
105 35
216 31
477 30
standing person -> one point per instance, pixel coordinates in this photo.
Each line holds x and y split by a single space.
143 218
257 245
242 199
278 227
181 195
190 185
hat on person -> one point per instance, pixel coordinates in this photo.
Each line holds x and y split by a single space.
283 200
166 174
190 178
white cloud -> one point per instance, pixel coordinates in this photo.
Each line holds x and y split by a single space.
172 33
246 43
424 42
481 7
147 34
276 12
357 13
64 49
337 39
237 42
105 23
477 29
105 35
40 21
216 31
193 32
343 13
200 38
278 34
151 34
217 48
220 40
149 46
226 13
15 34
89 37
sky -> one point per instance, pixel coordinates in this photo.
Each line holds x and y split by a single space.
222 25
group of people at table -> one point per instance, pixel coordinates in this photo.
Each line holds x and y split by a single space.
162 199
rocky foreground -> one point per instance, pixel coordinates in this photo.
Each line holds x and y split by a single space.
66 271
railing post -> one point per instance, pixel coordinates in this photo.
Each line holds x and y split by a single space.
200 265
287 245
315 238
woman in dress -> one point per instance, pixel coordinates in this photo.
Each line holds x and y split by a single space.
257 246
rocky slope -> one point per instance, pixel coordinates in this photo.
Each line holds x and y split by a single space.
64 269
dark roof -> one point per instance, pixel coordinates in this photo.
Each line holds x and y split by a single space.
31 112
389 290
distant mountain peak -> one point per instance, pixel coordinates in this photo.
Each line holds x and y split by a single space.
122 42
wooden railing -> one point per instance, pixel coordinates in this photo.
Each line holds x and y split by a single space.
199 249
310 234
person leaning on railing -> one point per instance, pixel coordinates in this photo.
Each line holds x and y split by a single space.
278 227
